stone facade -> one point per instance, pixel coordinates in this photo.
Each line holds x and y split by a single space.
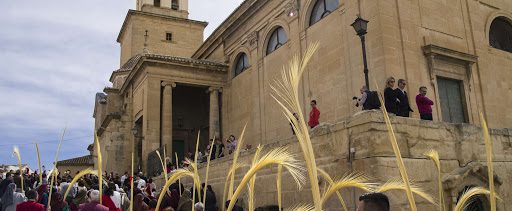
169 88
460 146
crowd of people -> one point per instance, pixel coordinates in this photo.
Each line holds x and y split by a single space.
85 194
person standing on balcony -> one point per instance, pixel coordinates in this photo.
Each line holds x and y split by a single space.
314 115
404 107
390 98
424 104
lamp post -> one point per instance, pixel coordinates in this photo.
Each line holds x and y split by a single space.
360 26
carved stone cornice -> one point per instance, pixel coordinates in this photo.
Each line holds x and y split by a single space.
213 88
434 52
168 83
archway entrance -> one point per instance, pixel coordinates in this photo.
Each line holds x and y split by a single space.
190 113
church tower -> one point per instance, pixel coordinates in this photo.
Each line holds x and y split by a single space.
160 27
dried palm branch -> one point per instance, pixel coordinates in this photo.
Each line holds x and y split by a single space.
398 155
100 166
253 179
177 167
162 162
54 170
468 195
77 177
278 156
279 179
331 182
228 177
39 164
16 151
434 156
286 94
233 169
208 170
490 167
179 173
235 159
197 180
301 207
398 184
352 180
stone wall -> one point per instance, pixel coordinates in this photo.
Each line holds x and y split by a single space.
460 146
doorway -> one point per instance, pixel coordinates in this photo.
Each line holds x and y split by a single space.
452 100
190 114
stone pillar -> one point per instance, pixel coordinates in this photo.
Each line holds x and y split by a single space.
214 112
167 117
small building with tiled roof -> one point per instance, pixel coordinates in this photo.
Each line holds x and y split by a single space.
76 164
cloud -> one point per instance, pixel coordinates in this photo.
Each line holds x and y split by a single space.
54 57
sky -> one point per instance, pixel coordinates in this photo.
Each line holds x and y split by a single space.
54 58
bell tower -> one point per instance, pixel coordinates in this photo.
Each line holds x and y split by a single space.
176 8
160 27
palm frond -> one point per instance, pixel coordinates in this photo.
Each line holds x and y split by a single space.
301 207
398 154
228 177
329 179
197 180
208 170
285 92
16 151
162 162
434 156
39 164
235 159
177 167
55 163
179 173
100 166
279 190
252 182
277 156
232 170
351 180
490 167
398 184
468 195
77 177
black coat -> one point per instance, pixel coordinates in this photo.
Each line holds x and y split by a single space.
403 106
390 100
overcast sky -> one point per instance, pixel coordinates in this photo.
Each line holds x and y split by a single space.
54 57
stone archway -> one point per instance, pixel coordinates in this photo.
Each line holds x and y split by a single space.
461 179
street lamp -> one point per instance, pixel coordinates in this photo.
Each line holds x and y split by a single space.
360 26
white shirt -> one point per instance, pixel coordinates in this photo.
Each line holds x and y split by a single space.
141 184
116 198
123 178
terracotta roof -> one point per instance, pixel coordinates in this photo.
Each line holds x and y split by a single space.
183 60
78 161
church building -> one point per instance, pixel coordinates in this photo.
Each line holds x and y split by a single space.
173 83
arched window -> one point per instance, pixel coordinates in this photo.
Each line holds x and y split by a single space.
321 9
242 63
500 34
276 40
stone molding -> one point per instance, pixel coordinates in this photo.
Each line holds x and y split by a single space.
168 83
434 52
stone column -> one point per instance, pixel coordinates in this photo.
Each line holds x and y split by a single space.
214 112
167 117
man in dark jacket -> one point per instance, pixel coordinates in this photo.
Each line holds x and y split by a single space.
403 105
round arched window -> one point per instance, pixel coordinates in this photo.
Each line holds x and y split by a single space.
500 34
277 39
242 63
321 9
